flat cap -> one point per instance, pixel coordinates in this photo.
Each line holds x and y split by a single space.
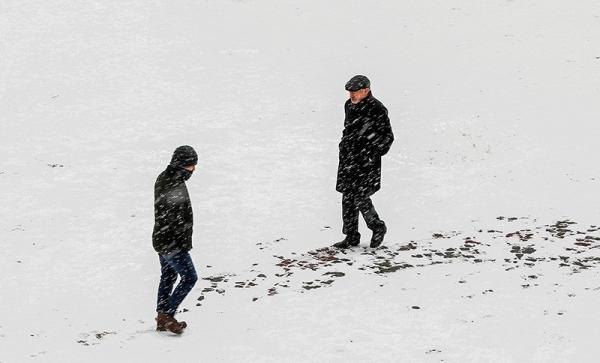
357 82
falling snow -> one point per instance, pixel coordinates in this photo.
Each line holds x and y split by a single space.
490 191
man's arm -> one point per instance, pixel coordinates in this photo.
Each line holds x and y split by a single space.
378 133
385 135
170 207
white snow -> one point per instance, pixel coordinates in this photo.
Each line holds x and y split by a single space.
494 106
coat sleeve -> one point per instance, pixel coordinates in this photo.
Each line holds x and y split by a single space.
171 207
382 137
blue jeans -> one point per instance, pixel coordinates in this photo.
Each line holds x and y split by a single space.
173 264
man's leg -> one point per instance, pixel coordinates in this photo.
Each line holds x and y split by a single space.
350 217
168 276
183 264
167 279
365 205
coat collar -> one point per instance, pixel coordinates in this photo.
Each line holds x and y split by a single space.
177 172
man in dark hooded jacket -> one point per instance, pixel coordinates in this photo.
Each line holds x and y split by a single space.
367 136
172 237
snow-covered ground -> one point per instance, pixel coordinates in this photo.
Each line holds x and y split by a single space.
494 105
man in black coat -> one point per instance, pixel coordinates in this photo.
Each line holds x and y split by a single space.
366 138
172 237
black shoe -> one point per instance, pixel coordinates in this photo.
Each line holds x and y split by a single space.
378 234
349 241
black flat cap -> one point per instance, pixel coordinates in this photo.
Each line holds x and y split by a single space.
357 82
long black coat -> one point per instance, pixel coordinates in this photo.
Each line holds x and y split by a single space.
366 138
173 215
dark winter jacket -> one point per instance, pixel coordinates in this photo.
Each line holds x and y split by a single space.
173 216
366 138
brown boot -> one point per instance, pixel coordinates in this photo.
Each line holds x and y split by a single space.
182 323
166 322
160 322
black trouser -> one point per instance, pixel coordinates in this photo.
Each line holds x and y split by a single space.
351 206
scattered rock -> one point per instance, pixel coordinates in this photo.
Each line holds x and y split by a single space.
334 274
390 258
407 247
310 286
103 334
